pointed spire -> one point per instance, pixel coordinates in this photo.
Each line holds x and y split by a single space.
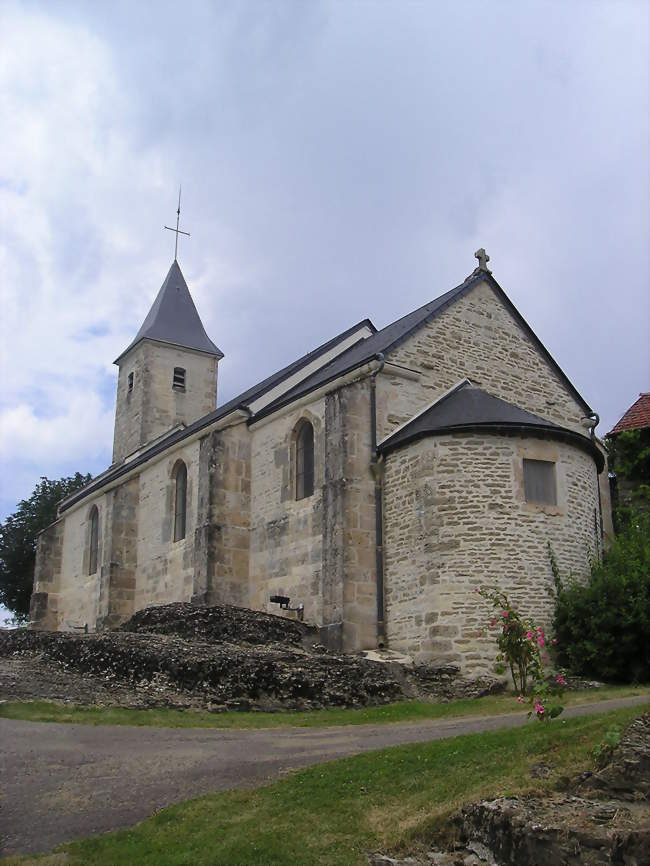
173 318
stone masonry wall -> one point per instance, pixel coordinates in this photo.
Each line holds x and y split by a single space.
456 517
44 603
65 595
476 337
117 585
165 568
286 534
222 534
78 590
153 407
358 511
127 433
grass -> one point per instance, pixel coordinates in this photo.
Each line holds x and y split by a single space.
404 711
332 814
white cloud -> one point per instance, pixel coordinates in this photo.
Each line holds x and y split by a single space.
337 160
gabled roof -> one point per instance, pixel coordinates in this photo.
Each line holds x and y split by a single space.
637 416
467 409
173 318
392 335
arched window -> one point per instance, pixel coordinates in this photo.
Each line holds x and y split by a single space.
304 461
93 540
180 500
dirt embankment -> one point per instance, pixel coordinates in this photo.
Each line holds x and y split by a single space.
218 658
599 819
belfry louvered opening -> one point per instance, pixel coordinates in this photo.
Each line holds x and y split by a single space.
178 381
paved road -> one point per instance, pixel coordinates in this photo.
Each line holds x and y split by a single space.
59 782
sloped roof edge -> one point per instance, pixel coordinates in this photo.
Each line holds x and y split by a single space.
397 332
467 409
637 416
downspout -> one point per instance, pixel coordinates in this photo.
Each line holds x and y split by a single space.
591 422
377 469
592 432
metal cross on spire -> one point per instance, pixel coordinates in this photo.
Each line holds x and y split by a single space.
177 230
483 259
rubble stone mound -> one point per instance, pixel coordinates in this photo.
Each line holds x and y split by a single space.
171 671
220 622
627 775
561 829
220 657
557 831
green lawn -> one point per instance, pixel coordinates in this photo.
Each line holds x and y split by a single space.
404 711
332 814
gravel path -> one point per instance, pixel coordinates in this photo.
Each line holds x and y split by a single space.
59 782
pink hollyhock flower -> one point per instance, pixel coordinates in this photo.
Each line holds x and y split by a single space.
529 635
560 679
539 709
520 700
505 614
554 641
540 641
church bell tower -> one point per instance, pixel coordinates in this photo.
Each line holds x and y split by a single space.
168 374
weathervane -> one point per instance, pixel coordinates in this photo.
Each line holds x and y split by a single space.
177 230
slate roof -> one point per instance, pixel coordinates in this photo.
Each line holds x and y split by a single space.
637 416
355 356
467 408
173 318
392 335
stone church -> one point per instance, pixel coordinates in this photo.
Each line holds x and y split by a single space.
369 485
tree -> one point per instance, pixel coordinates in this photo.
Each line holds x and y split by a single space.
629 461
18 537
603 627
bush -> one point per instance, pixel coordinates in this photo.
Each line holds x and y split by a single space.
603 628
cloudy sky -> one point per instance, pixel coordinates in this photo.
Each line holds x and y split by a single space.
338 160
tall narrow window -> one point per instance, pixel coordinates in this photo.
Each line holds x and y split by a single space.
93 540
305 461
539 482
180 500
178 381
130 382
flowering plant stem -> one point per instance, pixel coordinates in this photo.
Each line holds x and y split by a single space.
522 646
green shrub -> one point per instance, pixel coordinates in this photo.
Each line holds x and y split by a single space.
603 628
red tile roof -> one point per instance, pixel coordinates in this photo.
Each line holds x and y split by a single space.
636 417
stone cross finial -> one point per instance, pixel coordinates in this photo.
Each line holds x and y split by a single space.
483 259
